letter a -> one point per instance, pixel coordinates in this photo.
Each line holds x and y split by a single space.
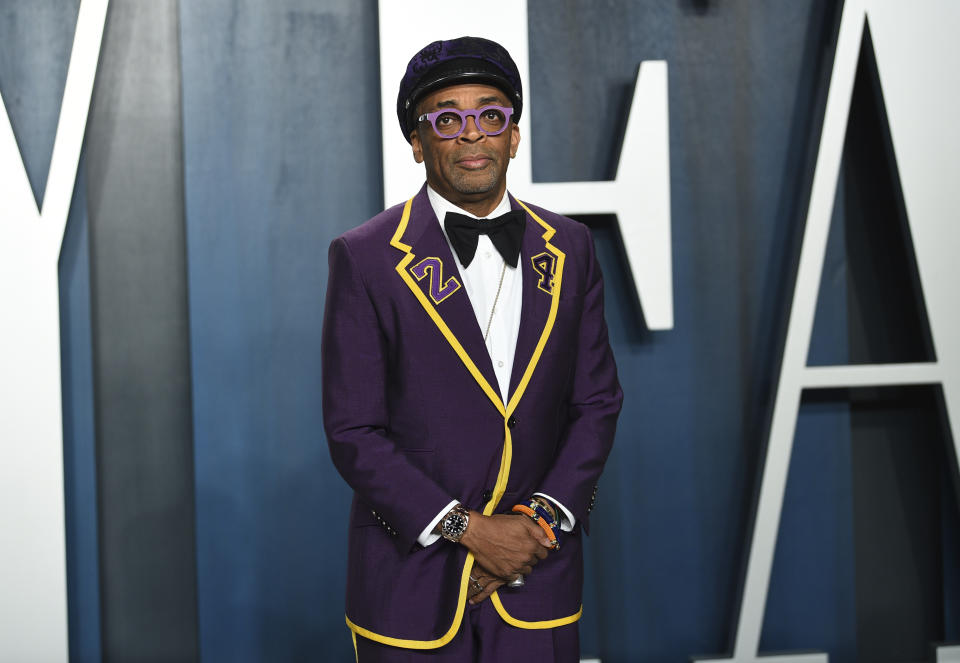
907 41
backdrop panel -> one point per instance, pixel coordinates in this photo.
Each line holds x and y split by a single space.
281 135
231 140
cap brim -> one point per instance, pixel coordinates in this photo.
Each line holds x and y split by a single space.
447 79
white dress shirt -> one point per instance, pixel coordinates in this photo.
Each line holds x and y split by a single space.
481 280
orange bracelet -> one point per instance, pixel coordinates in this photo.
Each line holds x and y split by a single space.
527 511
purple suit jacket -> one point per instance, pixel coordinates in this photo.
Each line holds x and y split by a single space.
414 418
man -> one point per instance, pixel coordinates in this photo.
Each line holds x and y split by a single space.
470 394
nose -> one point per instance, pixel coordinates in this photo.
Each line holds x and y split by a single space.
471 132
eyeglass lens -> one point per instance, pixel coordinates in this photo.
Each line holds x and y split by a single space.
489 120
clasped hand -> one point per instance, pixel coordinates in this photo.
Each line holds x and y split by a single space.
503 547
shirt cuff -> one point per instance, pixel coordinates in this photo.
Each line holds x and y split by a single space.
567 521
427 536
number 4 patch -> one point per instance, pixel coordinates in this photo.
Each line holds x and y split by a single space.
545 264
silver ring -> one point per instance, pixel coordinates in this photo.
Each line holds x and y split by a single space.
516 582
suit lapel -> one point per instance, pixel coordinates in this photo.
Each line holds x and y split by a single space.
429 269
542 265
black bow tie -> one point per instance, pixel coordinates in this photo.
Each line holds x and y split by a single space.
506 233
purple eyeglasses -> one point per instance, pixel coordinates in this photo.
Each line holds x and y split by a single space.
450 122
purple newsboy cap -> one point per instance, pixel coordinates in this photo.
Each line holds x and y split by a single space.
455 61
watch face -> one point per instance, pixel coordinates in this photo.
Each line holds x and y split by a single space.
454 525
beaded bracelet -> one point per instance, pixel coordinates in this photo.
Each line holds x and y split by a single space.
538 514
544 512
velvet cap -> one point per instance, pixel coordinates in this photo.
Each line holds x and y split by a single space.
452 62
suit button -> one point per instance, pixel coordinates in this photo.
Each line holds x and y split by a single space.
511 422
486 497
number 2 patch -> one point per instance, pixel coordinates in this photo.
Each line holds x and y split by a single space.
439 289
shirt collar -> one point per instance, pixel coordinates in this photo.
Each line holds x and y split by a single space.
441 206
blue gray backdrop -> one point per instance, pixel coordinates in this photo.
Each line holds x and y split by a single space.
230 141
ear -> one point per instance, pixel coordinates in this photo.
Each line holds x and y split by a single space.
416 146
514 138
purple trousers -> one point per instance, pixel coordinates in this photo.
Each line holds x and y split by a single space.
484 638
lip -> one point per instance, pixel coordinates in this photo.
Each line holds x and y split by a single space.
474 161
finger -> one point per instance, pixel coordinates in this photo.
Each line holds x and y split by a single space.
487 591
544 540
541 553
473 589
524 570
486 579
537 534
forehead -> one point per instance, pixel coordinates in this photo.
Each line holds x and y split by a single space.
469 95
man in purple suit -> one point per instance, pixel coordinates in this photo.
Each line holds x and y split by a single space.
470 395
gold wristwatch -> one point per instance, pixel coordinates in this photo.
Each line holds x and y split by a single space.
454 524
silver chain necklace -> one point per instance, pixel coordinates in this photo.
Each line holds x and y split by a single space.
495 300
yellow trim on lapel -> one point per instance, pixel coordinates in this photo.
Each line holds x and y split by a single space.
397 243
548 234
503 475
